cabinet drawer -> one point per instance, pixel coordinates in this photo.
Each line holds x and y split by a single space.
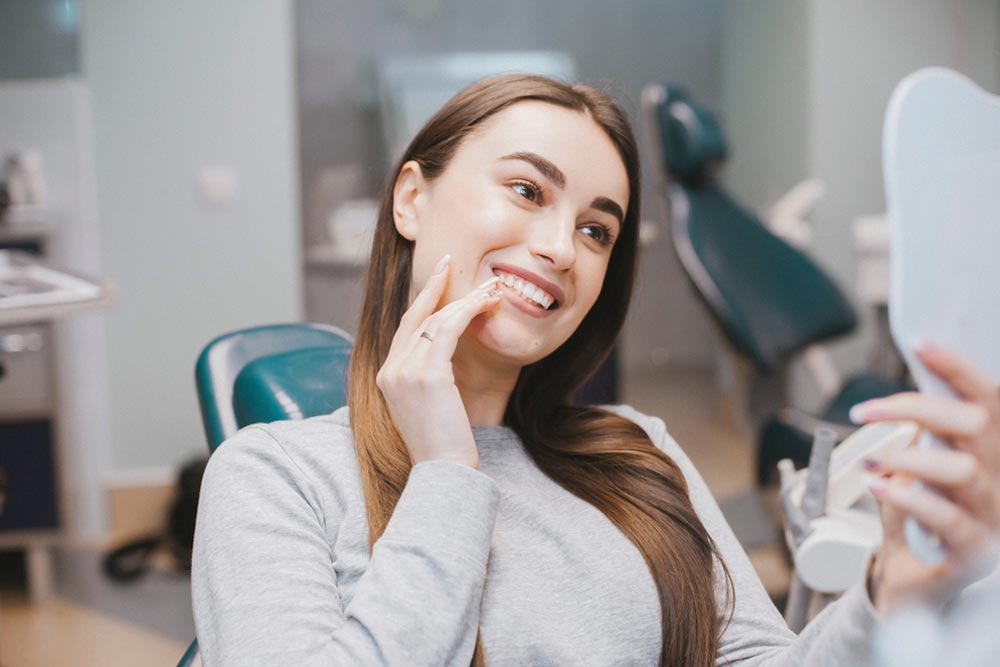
25 371
28 471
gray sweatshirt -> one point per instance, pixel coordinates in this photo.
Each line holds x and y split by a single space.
282 573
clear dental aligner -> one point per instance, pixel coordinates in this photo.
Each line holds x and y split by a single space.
527 290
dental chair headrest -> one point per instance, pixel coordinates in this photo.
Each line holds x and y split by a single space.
693 145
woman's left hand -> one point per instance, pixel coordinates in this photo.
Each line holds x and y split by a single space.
961 505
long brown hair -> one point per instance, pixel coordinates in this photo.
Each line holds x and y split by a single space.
602 458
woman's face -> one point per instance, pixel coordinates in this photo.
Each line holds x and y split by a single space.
535 195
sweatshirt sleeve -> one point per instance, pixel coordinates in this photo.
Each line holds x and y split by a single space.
263 583
757 634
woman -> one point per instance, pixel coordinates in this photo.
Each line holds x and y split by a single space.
461 510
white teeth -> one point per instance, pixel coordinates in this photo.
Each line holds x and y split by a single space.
527 290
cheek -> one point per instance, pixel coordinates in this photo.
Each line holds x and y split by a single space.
486 220
477 225
468 228
590 282
590 279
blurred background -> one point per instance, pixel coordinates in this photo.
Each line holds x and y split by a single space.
206 166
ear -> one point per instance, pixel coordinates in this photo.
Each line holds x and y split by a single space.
407 197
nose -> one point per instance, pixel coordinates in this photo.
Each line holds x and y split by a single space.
553 241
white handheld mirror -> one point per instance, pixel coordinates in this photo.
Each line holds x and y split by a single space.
941 157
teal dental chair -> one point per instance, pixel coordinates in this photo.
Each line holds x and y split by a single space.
265 374
769 300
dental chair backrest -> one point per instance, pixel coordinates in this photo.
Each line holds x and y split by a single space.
769 299
267 373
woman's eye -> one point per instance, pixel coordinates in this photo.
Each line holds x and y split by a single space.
599 233
527 190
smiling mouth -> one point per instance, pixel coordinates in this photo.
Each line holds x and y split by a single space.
528 291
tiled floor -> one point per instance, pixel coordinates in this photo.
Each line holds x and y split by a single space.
93 623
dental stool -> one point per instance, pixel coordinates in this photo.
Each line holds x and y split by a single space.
265 374
770 301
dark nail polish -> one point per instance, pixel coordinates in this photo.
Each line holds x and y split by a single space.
870 463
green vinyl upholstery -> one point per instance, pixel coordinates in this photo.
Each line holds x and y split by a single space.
691 142
769 299
224 358
265 374
291 385
190 657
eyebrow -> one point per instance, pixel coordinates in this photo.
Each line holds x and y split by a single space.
547 169
554 174
609 206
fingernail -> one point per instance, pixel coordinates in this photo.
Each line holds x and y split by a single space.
871 463
494 292
443 262
489 282
856 414
876 485
922 346
864 412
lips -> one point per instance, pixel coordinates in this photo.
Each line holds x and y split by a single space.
530 286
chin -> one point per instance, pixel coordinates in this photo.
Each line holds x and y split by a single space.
511 341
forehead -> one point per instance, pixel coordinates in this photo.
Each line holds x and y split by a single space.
570 139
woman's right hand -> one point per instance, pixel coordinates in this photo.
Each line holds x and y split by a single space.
417 380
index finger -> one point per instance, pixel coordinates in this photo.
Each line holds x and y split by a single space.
964 376
426 300
948 417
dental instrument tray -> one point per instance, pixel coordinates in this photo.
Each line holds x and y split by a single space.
32 292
